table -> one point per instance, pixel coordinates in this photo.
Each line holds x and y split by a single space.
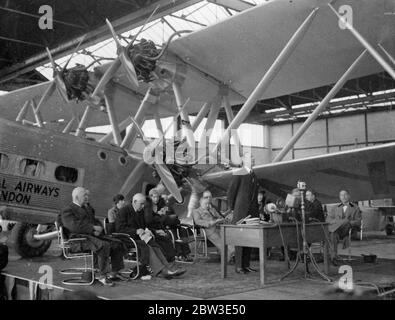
266 236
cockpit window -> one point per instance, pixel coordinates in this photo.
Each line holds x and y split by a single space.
66 174
31 168
4 160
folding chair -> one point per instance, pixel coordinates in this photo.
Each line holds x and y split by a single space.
133 253
65 245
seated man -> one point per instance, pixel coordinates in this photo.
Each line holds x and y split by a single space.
78 219
155 218
314 211
119 202
295 211
131 221
342 218
160 216
207 217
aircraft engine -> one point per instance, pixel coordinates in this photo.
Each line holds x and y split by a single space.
139 54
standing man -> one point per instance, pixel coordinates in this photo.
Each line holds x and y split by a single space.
78 219
243 200
314 209
342 218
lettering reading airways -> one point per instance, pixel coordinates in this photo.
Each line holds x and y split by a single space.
37 189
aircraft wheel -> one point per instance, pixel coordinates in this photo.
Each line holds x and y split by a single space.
25 245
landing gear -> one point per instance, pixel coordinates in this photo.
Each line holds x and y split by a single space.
24 242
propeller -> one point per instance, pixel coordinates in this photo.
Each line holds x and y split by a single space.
121 59
58 80
163 171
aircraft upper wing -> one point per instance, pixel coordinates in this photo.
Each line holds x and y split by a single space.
239 50
368 173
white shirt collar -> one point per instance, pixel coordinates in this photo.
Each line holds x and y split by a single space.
77 204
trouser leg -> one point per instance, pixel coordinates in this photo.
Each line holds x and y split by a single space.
215 238
116 253
144 252
166 246
246 256
238 257
156 262
335 240
103 258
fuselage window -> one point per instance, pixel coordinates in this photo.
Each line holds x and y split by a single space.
66 174
4 161
31 168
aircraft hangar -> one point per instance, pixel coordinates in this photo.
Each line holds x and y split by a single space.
318 120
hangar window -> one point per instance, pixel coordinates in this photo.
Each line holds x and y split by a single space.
4 160
66 174
31 167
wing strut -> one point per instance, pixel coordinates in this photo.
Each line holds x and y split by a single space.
387 53
84 122
186 125
202 113
365 43
268 77
148 101
230 117
317 111
113 121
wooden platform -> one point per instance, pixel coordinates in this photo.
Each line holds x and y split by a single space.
203 280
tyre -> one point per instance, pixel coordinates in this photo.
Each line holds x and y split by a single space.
25 245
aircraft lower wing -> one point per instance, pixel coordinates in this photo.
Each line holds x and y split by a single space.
368 173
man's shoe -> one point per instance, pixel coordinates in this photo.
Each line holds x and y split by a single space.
249 269
177 272
118 277
166 275
106 282
241 270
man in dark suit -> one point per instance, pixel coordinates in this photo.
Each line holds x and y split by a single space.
131 220
243 200
314 209
79 220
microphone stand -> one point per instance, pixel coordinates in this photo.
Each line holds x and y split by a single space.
306 250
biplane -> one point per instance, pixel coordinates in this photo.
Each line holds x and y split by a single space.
274 49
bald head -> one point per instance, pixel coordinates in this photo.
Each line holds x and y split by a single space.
138 201
80 196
